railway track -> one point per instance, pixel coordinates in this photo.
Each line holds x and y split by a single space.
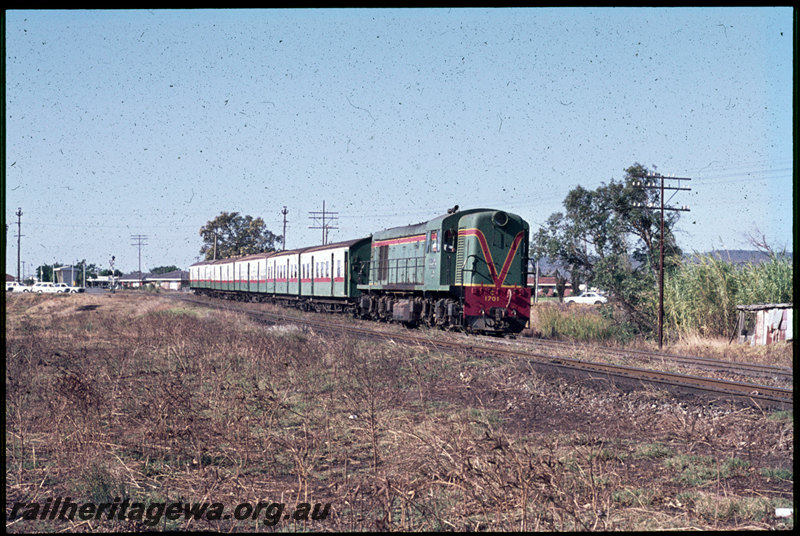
743 370
623 376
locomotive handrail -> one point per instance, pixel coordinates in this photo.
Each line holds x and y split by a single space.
463 269
394 266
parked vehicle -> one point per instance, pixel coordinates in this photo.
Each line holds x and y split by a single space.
66 289
45 287
12 286
590 297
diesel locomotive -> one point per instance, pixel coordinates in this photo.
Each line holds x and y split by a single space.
465 269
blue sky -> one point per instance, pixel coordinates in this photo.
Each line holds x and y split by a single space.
152 122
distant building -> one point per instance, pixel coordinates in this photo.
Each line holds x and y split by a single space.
67 274
132 280
99 281
168 281
765 323
547 285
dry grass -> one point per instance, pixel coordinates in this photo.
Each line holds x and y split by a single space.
138 398
587 324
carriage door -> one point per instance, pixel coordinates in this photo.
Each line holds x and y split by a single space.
346 275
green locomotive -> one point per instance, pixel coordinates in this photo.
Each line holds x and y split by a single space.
465 269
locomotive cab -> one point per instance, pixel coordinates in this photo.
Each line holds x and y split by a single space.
491 271
463 269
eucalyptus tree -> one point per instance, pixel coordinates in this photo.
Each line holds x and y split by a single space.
230 234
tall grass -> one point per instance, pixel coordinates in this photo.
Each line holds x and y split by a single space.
700 298
554 321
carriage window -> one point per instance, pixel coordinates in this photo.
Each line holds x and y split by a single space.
434 241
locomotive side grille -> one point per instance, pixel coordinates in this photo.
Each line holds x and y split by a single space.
460 258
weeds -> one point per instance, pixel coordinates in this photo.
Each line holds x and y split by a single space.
158 403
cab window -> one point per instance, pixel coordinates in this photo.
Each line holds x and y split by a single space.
450 240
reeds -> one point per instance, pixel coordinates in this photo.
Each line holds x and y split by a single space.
700 297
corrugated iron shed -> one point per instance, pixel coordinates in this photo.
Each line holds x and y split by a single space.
773 322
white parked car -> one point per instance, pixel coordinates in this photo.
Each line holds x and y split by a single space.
592 298
66 289
13 286
43 287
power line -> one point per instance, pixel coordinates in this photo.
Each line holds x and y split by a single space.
19 240
325 226
283 238
139 242
654 184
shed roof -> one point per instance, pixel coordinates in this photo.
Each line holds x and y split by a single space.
764 306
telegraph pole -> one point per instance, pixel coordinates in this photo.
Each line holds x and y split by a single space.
283 238
113 284
325 226
19 240
656 182
139 242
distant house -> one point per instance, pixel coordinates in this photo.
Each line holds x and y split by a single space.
168 281
132 280
10 278
547 285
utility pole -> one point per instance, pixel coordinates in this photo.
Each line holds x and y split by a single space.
283 238
113 284
325 226
19 239
656 182
139 242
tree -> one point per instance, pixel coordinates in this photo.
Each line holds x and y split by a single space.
231 235
45 271
164 269
91 271
610 239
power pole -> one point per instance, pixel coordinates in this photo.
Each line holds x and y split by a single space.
19 240
283 238
325 226
139 242
113 284
656 182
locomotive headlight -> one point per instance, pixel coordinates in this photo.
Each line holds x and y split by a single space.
500 218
